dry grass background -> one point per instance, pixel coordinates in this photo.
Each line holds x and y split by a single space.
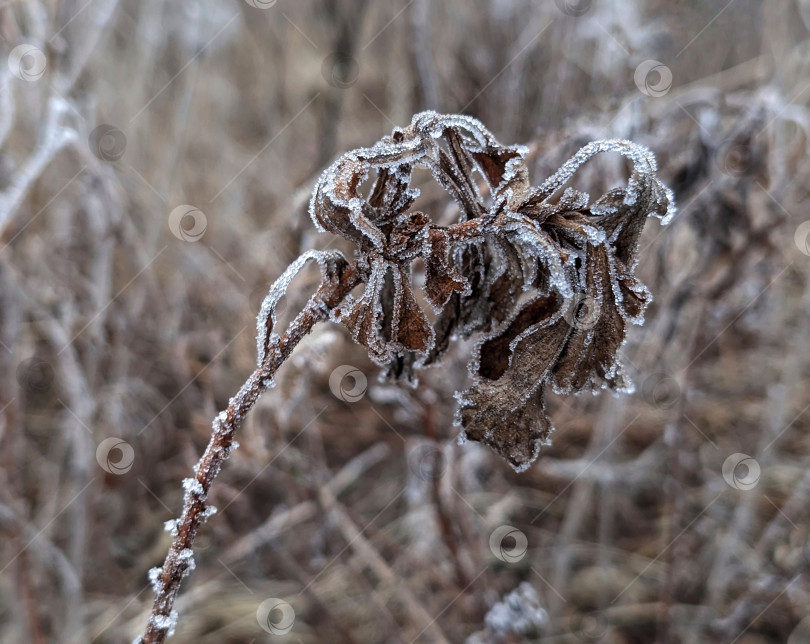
367 517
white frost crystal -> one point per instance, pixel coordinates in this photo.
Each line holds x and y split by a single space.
186 558
165 622
520 613
154 578
170 526
193 486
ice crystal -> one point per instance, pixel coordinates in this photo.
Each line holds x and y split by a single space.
165 622
186 559
519 613
193 486
170 526
154 578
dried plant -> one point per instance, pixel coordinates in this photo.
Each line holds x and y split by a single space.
547 288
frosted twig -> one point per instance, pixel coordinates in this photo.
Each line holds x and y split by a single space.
166 580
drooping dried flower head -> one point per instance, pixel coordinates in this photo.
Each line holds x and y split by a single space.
547 285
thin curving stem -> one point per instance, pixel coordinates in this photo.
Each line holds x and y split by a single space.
179 560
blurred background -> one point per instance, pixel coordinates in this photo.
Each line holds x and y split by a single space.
156 163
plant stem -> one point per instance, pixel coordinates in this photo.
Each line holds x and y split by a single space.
178 562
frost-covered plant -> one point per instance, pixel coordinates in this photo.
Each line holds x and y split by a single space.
546 286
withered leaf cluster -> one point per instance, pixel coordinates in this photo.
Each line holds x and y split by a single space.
546 284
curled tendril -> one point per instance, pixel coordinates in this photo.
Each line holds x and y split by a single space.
547 286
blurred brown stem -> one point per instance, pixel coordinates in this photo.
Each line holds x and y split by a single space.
176 566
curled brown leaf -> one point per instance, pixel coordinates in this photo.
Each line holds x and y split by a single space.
548 285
